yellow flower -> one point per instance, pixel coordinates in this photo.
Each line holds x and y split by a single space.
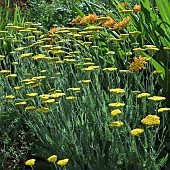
14 63
30 108
10 97
116 124
32 94
11 76
56 95
109 69
151 120
63 162
18 87
143 95
37 85
88 64
136 132
5 71
117 104
74 89
70 97
1 57
117 91
52 158
39 57
157 98
23 56
85 81
49 101
43 109
30 162
38 78
43 71
44 96
163 110
70 60
116 112
87 69
20 103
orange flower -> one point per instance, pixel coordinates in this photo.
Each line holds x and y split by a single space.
76 20
110 22
120 25
138 64
124 4
89 19
54 30
137 8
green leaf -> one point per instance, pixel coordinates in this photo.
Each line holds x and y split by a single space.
164 8
157 66
79 11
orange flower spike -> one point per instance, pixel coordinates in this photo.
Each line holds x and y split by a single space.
76 20
89 19
137 8
124 4
110 22
54 30
138 64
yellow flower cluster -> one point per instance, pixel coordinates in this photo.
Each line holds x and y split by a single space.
117 91
115 112
30 162
136 132
151 120
117 104
157 98
63 162
53 159
163 110
116 124
142 95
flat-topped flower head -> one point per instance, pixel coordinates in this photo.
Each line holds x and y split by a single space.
10 97
117 104
70 98
11 76
73 89
84 81
142 95
117 91
20 103
109 69
136 132
116 112
43 110
56 95
116 124
151 120
32 94
49 101
63 162
30 162
30 108
44 96
52 158
163 110
157 98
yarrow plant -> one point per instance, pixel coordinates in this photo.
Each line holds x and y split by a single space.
83 94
